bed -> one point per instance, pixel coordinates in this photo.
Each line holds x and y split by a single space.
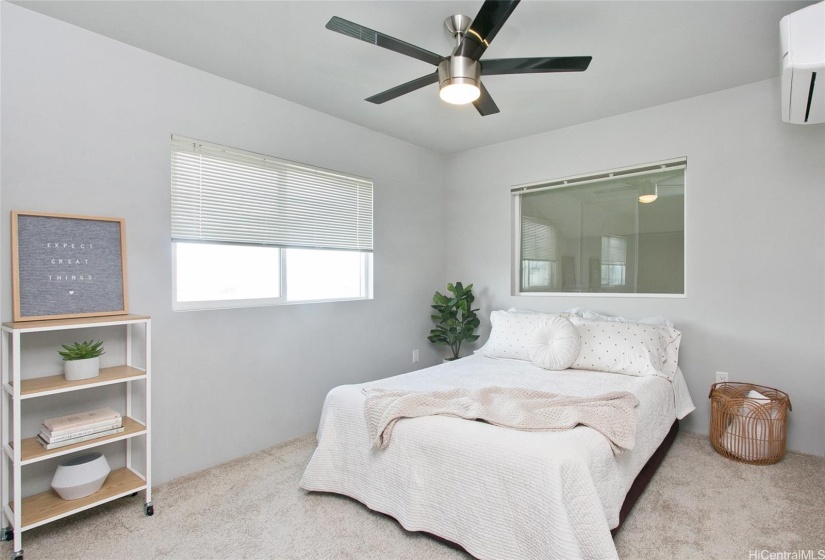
498 493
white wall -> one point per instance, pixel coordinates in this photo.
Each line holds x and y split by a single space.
755 195
86 125
85 129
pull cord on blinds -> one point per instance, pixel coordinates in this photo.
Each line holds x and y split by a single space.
224 195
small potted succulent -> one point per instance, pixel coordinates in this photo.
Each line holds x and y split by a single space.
455 319
81 360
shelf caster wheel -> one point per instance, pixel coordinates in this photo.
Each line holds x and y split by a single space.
149 509
6 534
17 555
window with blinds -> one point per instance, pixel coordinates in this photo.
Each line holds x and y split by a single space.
618 232
538 254
250 229
614 261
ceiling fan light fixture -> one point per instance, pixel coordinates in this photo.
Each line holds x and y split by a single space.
649 193
459 73
458 80
459 91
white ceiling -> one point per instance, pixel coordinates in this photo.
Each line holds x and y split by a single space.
644 54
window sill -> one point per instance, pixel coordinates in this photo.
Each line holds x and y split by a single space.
244 304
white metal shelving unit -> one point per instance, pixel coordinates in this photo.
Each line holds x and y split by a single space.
19 513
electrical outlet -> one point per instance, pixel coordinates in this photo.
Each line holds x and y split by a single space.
721 377
415 356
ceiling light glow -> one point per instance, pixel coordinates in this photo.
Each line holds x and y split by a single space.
649 193
459 93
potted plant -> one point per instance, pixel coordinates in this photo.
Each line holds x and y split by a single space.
81 360
456 320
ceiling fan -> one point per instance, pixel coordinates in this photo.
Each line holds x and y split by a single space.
458 74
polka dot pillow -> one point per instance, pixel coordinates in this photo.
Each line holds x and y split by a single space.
628 348
511 334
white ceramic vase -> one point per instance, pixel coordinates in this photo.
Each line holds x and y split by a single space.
81 476
75 370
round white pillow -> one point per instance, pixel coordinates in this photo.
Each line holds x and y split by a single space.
555 344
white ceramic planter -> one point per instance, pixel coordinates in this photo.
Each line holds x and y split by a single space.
81 476
75 370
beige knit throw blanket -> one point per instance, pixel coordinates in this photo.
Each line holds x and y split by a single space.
612 414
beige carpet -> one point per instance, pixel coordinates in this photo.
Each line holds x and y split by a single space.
699 505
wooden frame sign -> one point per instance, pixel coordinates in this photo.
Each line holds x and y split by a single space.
67 266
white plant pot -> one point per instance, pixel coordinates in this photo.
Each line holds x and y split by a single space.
81 476
75 370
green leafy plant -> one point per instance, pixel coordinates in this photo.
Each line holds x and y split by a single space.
82 350
456 320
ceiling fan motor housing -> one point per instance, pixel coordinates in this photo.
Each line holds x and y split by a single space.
459 70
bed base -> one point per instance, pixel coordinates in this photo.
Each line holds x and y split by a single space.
645 475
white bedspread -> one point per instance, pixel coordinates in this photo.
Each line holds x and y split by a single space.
499 493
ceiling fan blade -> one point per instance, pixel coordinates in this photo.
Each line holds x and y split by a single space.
368 35
535 65
485 104
398 91
487 23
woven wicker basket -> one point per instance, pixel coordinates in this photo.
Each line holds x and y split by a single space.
746 429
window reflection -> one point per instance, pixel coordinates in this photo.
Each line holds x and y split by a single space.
597 237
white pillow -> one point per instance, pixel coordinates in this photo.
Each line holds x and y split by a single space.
628 348
574 311
748 436
555 343
658 321
511 333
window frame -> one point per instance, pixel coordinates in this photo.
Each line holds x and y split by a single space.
552 263
200 305
366 282
367 277
365 251
633 170
610 264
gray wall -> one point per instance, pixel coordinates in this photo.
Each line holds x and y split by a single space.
86 125
755 194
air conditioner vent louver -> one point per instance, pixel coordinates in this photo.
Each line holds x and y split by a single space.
803 56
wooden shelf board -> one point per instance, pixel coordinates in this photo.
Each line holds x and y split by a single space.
77 322
57 383
48 506
31 451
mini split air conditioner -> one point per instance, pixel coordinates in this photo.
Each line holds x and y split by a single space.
803 65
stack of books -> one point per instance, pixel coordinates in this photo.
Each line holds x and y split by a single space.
77 428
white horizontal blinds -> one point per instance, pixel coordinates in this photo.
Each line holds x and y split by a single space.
224 195
538 240
614 249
